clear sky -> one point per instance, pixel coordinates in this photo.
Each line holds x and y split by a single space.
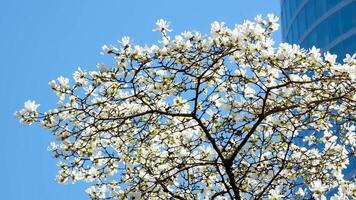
43 39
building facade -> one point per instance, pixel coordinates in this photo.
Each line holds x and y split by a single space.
327 24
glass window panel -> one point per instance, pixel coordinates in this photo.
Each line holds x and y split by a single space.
349 46
322 33
353 18
301 22
299 2
283 22
288 38
305 44
287 10
338 51
320 8
334 24
292 36
293 5
313 39
347 18
295 32
332 3
283 12
310 13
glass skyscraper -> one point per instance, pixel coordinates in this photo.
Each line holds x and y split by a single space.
327 24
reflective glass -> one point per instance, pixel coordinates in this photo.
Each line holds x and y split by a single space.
313 39
289 39
283 22
348 17
301 22
320 8
354 14
294 35
305 44
332 3
293 5
338 50
310 12
323 37
334 24
349 45
288 14
295 32
327 31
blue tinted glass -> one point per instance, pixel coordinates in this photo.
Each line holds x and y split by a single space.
322 33
282 22
320 8
313 39
310 12
287 10
349 46
288 38
301 22
292 36
295 32
305 44
293 5
334 24
347 17
332 3
354 14
338 50
283 13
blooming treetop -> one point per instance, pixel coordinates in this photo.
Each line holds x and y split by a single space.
222 116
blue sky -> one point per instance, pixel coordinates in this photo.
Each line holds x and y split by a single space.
43 39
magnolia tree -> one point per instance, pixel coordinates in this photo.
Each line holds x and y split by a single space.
219 116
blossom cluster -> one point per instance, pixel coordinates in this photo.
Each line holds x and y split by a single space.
220 116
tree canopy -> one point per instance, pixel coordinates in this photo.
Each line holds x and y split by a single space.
225 115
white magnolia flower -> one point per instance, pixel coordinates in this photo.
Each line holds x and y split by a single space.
350 59
260 19
315 53
294 77
310 139
187 34
350 69
107 49
217 26
102 67
275 194
31 106
330 58
350 135
272 18
95 192
329 137
125 41
300 192
63 81
52 84
318 187
162 25
79 76
249 91
134 195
